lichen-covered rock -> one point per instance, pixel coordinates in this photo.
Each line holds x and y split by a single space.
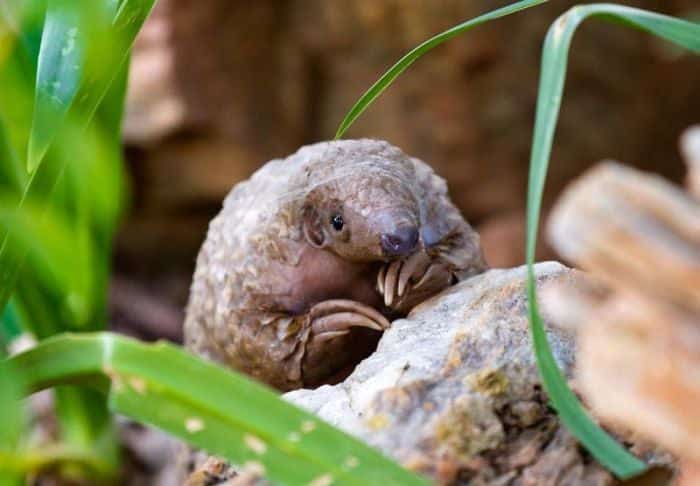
453 391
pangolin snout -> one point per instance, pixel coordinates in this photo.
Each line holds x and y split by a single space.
400 242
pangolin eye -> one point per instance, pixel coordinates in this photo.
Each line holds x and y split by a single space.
337 222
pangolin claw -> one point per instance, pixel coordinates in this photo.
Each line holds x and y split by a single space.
342 321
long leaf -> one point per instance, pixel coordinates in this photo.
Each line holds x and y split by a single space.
554 59
53 262
9 328
13 419
61 67
402 64
102 71
209 407
83 45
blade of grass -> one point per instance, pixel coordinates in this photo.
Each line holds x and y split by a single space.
49 243
13 418
130 16
402 64
83 45
82 48
209 407
554 61
28 461
9 328
60 69
16 459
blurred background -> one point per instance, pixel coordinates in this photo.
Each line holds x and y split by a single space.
218 87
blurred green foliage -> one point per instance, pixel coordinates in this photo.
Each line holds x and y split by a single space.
63 66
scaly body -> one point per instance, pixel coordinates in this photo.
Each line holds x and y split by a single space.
308 258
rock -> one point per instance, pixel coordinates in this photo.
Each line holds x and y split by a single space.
639 323
453 391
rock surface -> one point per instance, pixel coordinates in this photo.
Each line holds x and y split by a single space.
639 328
453 391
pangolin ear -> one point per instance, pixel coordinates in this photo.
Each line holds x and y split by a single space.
313 227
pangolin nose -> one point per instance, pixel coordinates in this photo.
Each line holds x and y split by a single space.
400 242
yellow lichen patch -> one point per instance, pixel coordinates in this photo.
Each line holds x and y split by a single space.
255 444
488 382
468 426
194 424
454 355
378 421
307 426
325 480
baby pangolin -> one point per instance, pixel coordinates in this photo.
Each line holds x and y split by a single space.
309 257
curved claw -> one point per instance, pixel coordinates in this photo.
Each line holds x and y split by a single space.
343 306
416 264
342 321
431 274
392 275
380 279
328 335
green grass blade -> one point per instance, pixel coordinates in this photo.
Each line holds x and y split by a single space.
101 71
554 60
83 45
49 242
10 328
13 421
402 64
60 69
209 407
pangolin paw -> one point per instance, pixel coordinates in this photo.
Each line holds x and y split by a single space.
330 348
406 283
333 318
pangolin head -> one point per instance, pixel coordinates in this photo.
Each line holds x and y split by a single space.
362 201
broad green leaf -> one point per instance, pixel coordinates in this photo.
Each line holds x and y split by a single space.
208 406
554 60
402 64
